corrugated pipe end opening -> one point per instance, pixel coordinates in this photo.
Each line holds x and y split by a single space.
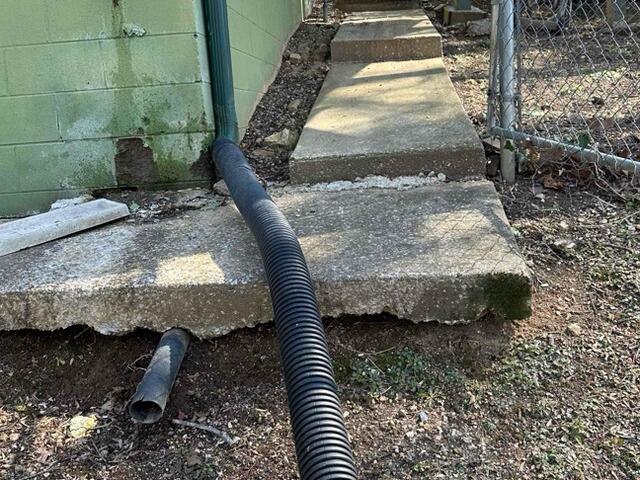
145 411
148 403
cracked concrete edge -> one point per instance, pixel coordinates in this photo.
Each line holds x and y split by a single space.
505 295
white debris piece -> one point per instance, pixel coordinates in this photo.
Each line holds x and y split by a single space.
45 227
70 202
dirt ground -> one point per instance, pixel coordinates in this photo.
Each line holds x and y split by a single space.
553 397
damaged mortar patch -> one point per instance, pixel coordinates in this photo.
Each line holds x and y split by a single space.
204 167
134 163
133 30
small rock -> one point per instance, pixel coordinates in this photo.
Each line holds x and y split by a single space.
295 58
294 105
107 406
479 28
305 53
423 417
220 187
564 244
80 426
262 153
193 459
442 177
574 329
285 138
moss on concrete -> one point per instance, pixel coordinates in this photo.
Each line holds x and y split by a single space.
508 296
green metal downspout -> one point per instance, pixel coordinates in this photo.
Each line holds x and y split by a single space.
219 46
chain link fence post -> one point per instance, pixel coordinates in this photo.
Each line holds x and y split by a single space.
568 82
507 88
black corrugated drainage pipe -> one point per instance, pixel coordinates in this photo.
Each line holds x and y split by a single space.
148 403
322 443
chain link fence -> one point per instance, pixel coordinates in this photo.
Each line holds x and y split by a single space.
565 78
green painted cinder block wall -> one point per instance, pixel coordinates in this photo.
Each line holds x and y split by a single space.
98 94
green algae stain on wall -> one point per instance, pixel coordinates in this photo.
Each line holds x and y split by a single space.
120 93
160 122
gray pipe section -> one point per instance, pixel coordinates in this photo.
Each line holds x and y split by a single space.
613 161
148 403
493 66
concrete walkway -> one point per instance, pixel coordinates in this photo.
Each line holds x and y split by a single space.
381 36
387 117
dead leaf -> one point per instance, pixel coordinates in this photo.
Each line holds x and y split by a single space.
553 183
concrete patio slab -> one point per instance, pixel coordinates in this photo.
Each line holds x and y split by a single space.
387 118
435 253
384 36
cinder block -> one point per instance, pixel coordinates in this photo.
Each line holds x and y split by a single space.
163 16
265 47
23 22
239 28
134 111
28 119
29 203
58 166
82 20
180 158
157 60
246 102
59 67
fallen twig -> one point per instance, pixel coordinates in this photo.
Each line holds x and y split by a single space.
207 428
41 472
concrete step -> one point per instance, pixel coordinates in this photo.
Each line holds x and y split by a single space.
440 252
370 5
387 118
383 36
